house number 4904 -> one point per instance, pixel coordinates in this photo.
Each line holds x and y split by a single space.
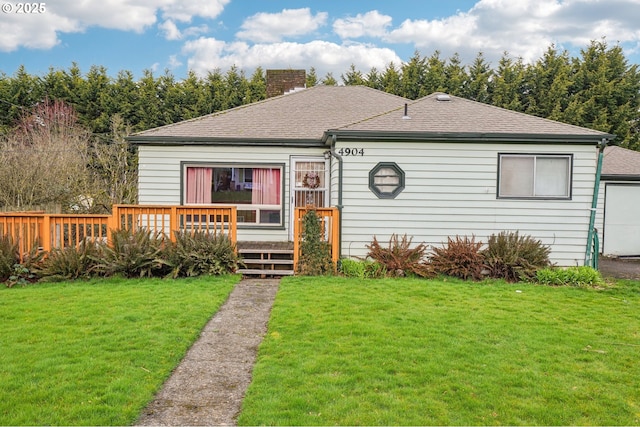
351 151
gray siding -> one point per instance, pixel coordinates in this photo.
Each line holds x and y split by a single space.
451 190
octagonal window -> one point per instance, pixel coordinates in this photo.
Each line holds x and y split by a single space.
386 180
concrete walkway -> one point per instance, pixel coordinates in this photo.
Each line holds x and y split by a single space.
208 386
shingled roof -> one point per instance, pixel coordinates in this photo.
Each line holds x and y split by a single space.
300 116
620 162
450 117
311 115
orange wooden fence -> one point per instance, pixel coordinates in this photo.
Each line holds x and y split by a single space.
329 224
50 231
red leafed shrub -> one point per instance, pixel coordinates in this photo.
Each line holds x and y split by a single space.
399 258
461 257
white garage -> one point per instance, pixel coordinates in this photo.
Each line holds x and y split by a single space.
619 203
621 219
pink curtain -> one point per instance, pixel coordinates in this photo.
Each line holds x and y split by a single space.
199 185
266 187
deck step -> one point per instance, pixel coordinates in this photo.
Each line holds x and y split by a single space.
266 259
265 251
265 273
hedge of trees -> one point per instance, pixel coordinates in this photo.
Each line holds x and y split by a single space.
598 89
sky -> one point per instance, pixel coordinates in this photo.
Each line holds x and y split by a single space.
330 35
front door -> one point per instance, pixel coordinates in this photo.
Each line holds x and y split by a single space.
309 184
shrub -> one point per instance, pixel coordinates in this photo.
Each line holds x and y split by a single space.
512 257
399 259
73 262
201 253
362 268
131 254
461 258
25 272
374 270
584 276
9 256
315 257
352 268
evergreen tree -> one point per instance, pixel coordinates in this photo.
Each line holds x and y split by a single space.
455 76
235 88
311 78
506 86
257 88
605 93
329 80
123 98
22 95
214 91
547 84
413 77
353 77
390 81
477 87
148 103
90 105
373 79
435 77
5 87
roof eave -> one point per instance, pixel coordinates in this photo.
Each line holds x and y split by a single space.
620 177
175 140
470 137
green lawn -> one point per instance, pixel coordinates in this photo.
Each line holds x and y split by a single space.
415 352
95 353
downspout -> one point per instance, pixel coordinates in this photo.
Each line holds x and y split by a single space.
339 205
588 259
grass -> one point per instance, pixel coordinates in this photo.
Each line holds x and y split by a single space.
414 352
95 353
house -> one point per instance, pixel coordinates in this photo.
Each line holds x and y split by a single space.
618 221
432 168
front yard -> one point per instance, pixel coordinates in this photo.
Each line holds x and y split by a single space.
94 353
338 351
416 352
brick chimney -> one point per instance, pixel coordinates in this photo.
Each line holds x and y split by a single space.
282 81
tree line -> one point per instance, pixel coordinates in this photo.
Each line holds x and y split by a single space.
598 89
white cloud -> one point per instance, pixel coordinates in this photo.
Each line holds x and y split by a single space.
174 62
523 28
274 27
184 10
36 31
372 24
208 54
68 16
170 30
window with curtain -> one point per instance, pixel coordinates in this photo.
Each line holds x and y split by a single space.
256 191
546 176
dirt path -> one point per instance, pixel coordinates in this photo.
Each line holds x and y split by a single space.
208 386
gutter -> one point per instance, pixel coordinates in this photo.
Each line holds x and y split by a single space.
589 259
339 205
219 141
470 137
